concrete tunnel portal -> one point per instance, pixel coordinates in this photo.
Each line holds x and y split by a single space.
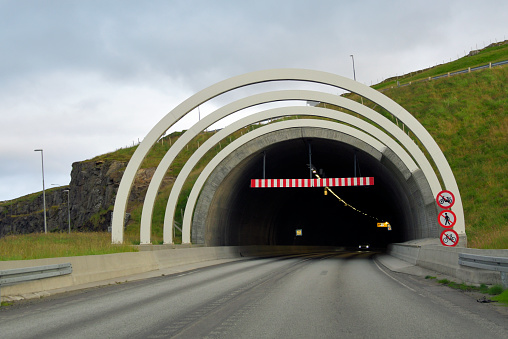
240 215
222 209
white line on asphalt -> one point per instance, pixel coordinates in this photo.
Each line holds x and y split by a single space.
400 282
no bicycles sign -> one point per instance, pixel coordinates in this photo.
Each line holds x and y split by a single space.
449 238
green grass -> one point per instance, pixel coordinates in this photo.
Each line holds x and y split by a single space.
495 290
503 297
53 245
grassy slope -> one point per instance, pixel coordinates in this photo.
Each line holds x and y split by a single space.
467 116
37 245
494 53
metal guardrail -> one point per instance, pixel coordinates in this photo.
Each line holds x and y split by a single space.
484 262
499 264
18 275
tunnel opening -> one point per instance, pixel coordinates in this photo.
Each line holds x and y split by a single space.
239 215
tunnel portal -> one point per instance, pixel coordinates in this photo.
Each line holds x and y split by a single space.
240 215
221 209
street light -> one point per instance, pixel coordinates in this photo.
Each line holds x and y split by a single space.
354 73
68 208
43 189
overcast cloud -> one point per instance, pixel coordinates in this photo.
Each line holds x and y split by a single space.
83 78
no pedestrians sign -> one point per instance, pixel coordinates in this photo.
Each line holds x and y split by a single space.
446 219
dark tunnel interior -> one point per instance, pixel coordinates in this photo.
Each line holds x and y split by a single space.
271 216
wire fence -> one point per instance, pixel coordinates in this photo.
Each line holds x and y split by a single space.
449 74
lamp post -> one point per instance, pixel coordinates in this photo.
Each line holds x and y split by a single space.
43 189
68 209
354 73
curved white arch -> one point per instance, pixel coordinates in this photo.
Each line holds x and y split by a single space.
276 112
276 75
414 150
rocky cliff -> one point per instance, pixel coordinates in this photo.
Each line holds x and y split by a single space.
92 192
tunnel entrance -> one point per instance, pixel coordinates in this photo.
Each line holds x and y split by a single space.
240 215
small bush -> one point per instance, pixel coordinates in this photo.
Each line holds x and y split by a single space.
495 290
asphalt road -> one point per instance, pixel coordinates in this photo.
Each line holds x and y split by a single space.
334 295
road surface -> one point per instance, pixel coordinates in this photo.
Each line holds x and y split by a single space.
332 295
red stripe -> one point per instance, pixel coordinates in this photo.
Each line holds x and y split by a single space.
320 182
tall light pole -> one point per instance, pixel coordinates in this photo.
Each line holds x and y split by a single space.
43 189
68 209
354 73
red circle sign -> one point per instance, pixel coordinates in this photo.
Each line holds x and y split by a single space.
449 238
445 199
446 219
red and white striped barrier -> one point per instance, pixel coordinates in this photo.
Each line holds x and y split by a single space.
323 182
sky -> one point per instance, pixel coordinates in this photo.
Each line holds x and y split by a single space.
83 78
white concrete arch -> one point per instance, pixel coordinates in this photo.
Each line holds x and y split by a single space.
398 134
362 126
278 75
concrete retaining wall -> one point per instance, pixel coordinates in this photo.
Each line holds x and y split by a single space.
95 268
430 254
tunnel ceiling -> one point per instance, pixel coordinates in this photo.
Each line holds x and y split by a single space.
240 215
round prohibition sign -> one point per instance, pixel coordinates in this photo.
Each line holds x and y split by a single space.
449 238
445 199
446 219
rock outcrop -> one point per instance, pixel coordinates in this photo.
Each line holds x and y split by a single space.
92 192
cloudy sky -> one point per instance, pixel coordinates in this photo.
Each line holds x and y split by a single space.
83 78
